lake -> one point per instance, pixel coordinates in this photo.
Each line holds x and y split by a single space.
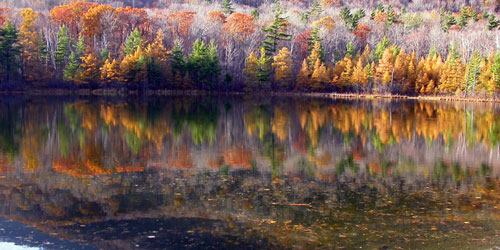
225 172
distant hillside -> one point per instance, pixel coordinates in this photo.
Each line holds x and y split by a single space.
452 5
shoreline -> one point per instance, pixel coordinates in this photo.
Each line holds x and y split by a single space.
166 92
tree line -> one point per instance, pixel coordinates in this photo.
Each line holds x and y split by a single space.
233 47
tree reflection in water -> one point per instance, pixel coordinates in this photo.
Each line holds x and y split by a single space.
258 173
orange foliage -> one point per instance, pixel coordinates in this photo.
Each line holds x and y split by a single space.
240 25
238 157
131 18
381 16
71 14
216 16
362 32
92 20
181 22
3 12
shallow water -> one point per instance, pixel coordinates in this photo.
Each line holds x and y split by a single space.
252 173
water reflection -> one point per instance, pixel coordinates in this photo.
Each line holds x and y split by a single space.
218 172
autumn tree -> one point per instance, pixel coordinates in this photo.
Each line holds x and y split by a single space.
283 66
31 43
452 74
240 25
157 56
257 71
303 80
109 72
133 68
89 70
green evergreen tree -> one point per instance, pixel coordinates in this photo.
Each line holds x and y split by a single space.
492 22
264 68
462 20
275 33
203 64
227 7
473 72
9 52
133 41
80 48
314 37
63 48
350 50
178 59
495 69
71 69
255 14
351 20
380 48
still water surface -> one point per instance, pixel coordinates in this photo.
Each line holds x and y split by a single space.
248 173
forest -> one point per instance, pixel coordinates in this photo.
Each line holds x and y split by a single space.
382 47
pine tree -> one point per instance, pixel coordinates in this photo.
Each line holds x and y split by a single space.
283 66
63 50
178 60
9 51
303 81
71 68
350 50
275 33
472 72
492 22
265 69
203 64
133 41
381 47
227 7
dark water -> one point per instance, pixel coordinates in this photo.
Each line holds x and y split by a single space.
248 173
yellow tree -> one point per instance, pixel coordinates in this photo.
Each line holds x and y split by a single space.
251 71
316 53
400 67
345 76
359 74
319 76
133 68
109 71
303 80
89 70
283 66
156 50
385 67
31 56
452 74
